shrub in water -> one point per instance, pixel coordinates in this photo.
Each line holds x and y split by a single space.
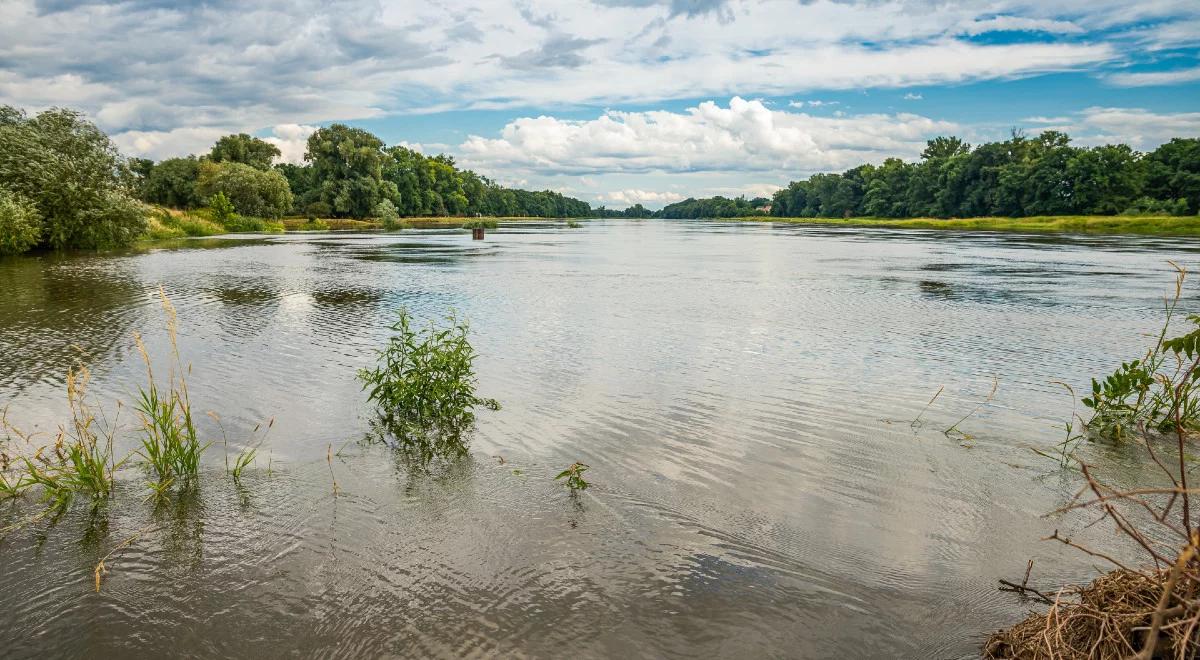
424 388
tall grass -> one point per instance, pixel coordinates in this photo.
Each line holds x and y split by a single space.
170 443
79 461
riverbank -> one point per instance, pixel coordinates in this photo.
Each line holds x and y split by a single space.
1083 224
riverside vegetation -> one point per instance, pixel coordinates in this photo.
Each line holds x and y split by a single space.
1151 405
351 174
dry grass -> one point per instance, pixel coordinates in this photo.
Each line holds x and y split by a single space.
1107 619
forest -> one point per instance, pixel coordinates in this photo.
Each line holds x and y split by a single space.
1019 177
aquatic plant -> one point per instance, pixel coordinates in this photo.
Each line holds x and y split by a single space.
171 443
79 461
572 224
1159 391
1130 612
574 476
423 388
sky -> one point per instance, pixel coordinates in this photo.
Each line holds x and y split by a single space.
616 102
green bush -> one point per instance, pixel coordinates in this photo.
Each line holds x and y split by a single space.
1151 206
423 388
318 210
20 225
73 175
388 215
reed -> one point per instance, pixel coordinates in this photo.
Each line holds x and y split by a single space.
170 442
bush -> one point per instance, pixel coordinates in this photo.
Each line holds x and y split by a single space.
424 388
388 215
251 191
20 225
221 207
72 174
1151 206
173 183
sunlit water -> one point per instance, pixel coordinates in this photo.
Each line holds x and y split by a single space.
743 393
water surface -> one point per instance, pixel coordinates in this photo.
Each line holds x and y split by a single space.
743 393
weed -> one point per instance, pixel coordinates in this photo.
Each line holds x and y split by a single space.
572 224
1159 391
574 476
480 224
171 444
424 388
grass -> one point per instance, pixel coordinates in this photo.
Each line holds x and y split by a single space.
1083 224
171 445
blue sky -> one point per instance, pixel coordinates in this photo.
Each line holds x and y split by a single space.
613 101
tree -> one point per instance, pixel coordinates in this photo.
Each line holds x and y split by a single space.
172 182
20 224
244 149
1173 172
348 166
72 175
252 192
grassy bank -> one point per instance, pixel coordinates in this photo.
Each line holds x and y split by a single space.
164 223
1084 224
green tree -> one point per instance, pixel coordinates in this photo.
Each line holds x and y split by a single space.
348 167
172 182
20 225
72 174
1173 172
244 149
253 192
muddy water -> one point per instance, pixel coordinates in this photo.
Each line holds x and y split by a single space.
743 393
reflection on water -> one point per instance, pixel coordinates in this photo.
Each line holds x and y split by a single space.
742 393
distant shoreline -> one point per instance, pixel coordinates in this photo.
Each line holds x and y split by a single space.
1081 224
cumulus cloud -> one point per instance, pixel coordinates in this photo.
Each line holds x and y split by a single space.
644 197
912 96
1140 128
292 141
745 136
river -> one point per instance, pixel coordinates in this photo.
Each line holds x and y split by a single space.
745 395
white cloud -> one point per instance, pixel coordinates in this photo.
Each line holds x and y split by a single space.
912 96
1021 24
812 104
745 136
292 141
1140 128
166 144
643 197
1147 79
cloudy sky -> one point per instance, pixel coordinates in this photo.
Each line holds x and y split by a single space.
613 101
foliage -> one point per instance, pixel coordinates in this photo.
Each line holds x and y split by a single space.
244 149
80 461
172 182
348 169
221 207
1019 177
74 176
480 224
20 224
1159 392
574 476
171 444
314 224
385 210
712 207
423 388
252 191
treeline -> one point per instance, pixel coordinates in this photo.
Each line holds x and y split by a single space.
348 172
714 207
1019 177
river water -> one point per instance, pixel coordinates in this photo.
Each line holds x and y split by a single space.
743 393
